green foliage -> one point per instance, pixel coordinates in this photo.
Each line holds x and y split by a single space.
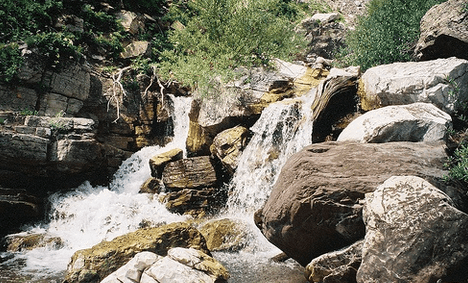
213 37
386 34
11 61
458 165
27 112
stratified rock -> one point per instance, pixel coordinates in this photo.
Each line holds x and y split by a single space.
158 162
336 267
183 265
194 201
414 234
189 173
314 207
228 145
94 264
442 82
443 31
417 122
224 235
132 271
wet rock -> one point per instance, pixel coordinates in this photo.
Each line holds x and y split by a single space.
94 264
443 32
152 186
189 173
21 242
185 265
413 122
224 235
414 234
336 267
195 202
228 146
158 162
441 82
314 207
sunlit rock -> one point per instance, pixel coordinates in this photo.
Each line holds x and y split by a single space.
152 186
94 264
158 162
132 271
228 145
338 266
185 266
23 241
135 49
224 235
443 31
413 122
442 82
315 205
414 233
189 173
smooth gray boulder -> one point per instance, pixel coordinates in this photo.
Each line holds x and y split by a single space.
414 233
442 82
417 122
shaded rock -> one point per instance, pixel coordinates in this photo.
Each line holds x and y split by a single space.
228 145
405 83
16 208
224 235
133 270
189 173
443 32
413 122
94 264
335 100
131 21
314 207
339 266
23 241
152 186
185 265
196 202
414 234
158 162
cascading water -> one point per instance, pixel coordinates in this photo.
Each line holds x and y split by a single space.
87 215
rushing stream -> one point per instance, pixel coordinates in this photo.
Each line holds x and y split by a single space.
87 215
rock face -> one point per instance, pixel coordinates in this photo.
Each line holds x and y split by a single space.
414 122
414 234
339 266
314 207
443 32
189 173
441 82
94 264
158 162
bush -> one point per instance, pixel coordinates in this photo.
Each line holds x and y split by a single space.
386 34
458 165
213 37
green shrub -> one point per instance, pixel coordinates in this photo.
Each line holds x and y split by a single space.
386 34
458 165
213 37
11 61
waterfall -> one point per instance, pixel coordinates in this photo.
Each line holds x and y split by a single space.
87 215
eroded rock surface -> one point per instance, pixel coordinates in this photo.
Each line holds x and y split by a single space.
414 234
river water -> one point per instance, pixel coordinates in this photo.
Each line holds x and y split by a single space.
87 215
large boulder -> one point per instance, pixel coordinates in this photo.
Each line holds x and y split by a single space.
414 234
315 208
442 82
158 162
94 264
414 122
224 234
443 31
189 173
133 270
